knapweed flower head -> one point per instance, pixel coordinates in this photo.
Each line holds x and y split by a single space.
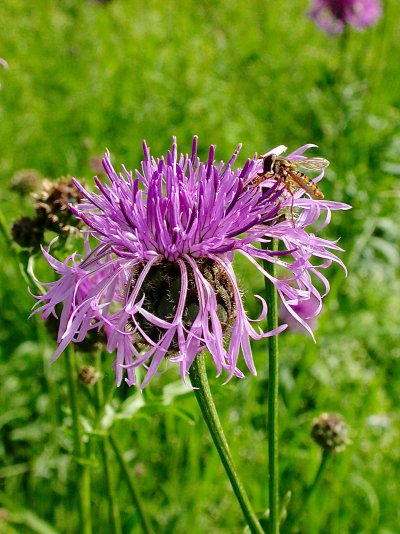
333 15
330 432
157 274
53 202
52 211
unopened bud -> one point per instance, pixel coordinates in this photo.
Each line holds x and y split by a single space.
27 233
52 206
330 431
88 375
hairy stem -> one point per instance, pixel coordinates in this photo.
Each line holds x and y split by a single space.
273 392
83 469
198 378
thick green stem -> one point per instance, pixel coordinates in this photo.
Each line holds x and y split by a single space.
115 521
83 469
135 495
273 392
198 378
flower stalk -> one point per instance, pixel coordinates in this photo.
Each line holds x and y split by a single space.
325 456
83 469
271 297
321 468
199 380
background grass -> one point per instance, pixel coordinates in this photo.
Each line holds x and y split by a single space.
84 76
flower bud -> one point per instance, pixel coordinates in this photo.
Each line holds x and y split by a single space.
52 206
27 232
88 375
330 431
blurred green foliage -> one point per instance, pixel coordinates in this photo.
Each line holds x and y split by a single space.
86 75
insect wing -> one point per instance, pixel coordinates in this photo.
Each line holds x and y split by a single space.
313 164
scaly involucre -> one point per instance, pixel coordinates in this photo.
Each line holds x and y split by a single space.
160 281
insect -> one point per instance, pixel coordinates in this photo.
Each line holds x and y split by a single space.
286 171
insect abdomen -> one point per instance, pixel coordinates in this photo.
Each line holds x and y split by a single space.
309 187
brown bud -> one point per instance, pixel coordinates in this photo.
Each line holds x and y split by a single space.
52 206
27 232
88 375
330 431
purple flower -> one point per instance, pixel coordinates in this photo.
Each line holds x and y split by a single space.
333 15
160 281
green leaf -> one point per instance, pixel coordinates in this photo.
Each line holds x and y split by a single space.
155 408
34 522
25 517
173 390
284 506
130 407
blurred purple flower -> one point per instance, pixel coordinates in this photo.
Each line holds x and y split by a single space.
333 15
160 281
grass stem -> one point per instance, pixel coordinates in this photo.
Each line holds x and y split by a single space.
135 495
273 393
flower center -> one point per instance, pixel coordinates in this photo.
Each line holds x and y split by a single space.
162 289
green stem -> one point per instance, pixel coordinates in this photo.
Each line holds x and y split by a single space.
106 458
324 460
5 231
273 392
83 469
198 378
136 498
310 490
111 495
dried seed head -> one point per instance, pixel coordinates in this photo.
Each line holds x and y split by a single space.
26 181
330 431
52 206
89 375
27 232
162 291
